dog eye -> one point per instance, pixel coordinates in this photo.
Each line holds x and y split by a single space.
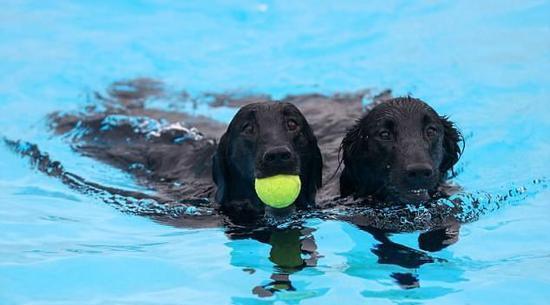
248 128
384 135
431 132
291 125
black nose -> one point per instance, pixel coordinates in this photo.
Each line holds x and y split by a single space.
277 154
419 171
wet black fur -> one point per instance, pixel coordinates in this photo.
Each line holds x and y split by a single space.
375 168
238 158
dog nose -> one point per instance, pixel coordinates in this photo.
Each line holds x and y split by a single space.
277 154
419 171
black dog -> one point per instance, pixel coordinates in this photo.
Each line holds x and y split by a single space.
262 140
401 151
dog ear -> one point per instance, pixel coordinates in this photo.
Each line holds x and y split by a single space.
220 170
352 141
348 148
315 171
451 148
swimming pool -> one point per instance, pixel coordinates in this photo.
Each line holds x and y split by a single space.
485 64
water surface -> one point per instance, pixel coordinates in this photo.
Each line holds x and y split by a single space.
485 64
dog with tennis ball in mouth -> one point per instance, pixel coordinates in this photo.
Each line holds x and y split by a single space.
267 162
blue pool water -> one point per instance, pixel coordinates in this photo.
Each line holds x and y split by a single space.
485 63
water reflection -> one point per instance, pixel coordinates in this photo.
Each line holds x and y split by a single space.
391 253
414 268
295 250
291 251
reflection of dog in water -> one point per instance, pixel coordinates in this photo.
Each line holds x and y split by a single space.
291 251
295 249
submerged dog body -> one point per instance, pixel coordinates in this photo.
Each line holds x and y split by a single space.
263 140
215 168
179 156
401 151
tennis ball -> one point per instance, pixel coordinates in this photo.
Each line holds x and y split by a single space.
278 191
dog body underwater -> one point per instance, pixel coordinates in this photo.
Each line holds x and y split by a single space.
194 160
220 166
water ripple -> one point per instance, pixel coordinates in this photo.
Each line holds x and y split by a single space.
463 207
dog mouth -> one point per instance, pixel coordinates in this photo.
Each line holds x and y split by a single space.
417 195
263 172
419 192
423 193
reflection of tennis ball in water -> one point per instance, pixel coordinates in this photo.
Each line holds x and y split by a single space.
278 191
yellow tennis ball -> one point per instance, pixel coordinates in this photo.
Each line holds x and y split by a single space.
278 191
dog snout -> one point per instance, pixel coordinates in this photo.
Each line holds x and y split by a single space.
278 154
419 172
277 160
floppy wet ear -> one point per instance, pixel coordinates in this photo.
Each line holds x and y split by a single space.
314 172
220 169
352 141
348 148
451 145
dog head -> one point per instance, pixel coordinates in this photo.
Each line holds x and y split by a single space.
401 150
262 140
